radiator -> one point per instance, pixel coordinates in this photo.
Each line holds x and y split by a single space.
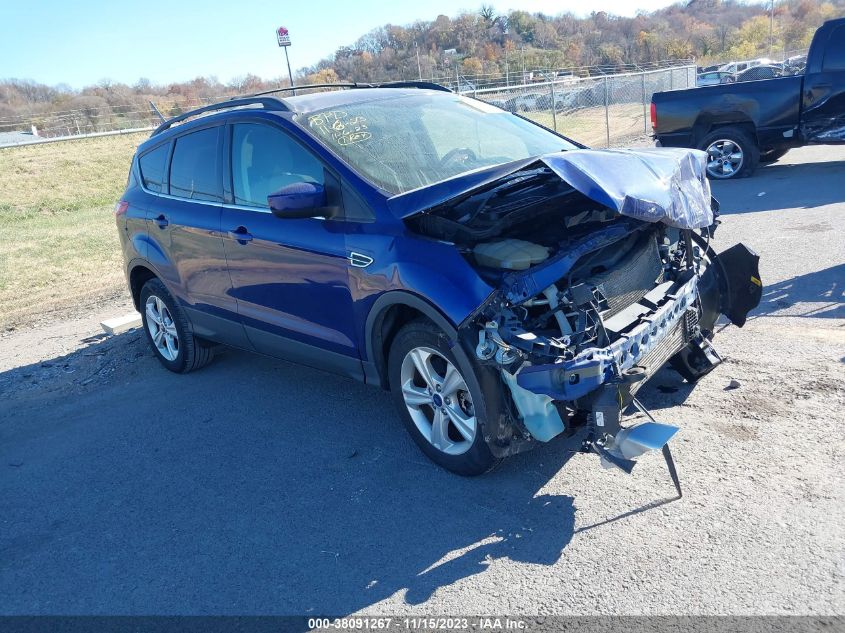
631 278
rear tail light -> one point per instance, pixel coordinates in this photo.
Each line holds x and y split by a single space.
653 117
121 207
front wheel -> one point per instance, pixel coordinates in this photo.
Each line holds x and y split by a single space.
440 399
731 153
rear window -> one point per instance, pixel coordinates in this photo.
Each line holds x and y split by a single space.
152 167
195 167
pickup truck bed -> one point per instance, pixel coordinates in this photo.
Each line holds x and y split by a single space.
773 106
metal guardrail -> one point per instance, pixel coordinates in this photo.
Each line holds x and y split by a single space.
38 140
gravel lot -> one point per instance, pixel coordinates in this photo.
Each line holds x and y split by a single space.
256 486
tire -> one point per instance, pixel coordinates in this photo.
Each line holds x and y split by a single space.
772 156
160 311
456 398
717 144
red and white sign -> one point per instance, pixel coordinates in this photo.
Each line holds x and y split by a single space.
283 36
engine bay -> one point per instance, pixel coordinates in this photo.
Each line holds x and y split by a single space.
584 296
534 220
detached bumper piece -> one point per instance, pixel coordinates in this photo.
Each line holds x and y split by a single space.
739 268
621 448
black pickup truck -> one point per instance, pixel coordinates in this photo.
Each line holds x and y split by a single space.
742 124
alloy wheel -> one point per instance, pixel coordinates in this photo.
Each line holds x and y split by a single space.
724 158
162 328
438 400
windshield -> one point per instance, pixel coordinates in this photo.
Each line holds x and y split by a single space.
413 141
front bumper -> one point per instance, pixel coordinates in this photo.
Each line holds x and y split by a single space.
663 328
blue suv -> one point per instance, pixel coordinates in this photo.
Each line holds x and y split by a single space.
505 283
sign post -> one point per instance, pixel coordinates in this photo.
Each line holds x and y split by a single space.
283 38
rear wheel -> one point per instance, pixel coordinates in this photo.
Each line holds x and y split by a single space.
168 333
731 153
440 399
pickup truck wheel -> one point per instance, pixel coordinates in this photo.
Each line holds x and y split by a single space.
168 333
731 153
772 156
440 399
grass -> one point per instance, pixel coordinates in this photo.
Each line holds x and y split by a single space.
58 239
588 125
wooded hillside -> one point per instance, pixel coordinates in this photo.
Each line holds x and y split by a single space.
486 43
476 44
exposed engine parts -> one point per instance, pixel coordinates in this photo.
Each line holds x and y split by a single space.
588 303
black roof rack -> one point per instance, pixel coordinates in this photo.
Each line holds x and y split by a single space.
268 103
423 85
293 88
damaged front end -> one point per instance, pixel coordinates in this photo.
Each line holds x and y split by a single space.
603 274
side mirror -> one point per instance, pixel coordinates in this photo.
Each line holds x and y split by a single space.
298 200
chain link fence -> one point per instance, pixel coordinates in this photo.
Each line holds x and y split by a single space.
601 110
460 81
597 111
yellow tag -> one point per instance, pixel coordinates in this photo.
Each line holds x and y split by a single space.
756 281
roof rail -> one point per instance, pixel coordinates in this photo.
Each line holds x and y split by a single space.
423 85
268 103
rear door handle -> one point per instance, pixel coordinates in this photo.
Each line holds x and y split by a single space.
241 235
161 221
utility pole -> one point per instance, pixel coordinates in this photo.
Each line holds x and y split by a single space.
419 68
771 26
522 50
507 81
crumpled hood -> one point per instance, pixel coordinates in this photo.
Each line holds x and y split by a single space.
652 184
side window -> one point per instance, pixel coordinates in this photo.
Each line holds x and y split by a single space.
265 159
152 167
195 166
834 55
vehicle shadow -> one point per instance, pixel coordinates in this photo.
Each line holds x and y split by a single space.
773 188
823 290
666 389
253 486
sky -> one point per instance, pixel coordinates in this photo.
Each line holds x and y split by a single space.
80 43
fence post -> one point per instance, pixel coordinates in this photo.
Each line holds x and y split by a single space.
554 105
606 113
645 115
671 80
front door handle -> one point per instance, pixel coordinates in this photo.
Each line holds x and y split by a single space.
241 235
161 221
